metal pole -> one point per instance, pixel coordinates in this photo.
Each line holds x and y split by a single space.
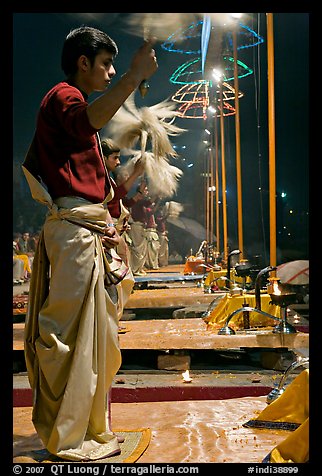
223 176
271 137
211 194
206 177
238 159
217 183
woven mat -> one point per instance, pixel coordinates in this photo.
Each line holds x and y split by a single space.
134 445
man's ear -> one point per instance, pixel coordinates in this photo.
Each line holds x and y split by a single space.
83 63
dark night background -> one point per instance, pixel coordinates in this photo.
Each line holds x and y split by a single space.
37 43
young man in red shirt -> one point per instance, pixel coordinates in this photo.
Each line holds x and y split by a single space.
71 333
118 211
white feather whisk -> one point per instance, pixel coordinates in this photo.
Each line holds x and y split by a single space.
173 209
153 124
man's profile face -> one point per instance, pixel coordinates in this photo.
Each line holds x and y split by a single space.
112 161
102 71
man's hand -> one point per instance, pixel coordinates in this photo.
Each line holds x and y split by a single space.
111 237
144 63
139 168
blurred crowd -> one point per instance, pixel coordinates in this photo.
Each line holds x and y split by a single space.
24 247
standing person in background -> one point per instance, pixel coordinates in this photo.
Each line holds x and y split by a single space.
137 234
118 211
18 254
27 246
34 240
121 176
161 219
21 262
153 243
71 333
25 243
18 275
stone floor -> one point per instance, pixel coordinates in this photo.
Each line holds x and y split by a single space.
162 334
196 422
202 431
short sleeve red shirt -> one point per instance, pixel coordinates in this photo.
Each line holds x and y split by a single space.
114 205
67 145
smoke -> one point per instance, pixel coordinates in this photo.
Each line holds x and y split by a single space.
159 25
162 25
105 18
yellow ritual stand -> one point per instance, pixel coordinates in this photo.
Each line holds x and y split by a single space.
228 304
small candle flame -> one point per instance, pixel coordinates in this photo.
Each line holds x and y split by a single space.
186 376
276 289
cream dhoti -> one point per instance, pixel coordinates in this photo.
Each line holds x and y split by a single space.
71 334
138 246
152 249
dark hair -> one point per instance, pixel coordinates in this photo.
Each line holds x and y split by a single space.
109 147
87 41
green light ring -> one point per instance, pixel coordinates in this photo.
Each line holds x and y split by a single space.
239 63
181 71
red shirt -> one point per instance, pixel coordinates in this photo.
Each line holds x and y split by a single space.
114 206
67 146
128 202
141 211
160 222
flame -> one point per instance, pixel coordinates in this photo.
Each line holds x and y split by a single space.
276 289
186 376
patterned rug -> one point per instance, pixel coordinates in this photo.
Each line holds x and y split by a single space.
134 445
20 303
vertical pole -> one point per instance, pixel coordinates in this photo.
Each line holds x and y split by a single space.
206 177
217 183
212 184
223 177
238 155
271 137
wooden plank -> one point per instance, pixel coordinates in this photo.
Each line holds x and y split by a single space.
170 297
164 334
